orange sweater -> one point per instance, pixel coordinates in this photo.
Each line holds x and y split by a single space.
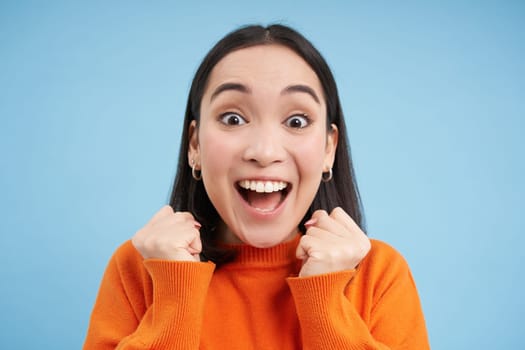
256 302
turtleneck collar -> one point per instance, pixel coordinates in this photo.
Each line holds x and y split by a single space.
278 255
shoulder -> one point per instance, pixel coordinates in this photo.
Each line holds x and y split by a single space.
384 261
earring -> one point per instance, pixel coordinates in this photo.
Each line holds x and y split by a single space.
327 175
196 176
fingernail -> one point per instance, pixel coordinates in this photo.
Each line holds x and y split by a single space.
197 225
310 223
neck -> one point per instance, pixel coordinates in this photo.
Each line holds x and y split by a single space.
277 255
228 237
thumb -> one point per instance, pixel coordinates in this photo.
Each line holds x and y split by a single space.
305 247
301 252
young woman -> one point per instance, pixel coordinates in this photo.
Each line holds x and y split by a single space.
262 245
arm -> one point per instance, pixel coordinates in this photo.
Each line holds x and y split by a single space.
152 294
149 304
375 307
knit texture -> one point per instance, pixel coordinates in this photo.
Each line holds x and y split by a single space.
256 302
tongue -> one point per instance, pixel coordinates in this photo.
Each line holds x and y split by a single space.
263 201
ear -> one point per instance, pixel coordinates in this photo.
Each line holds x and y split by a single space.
331 146
193 146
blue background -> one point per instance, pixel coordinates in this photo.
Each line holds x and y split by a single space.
92 96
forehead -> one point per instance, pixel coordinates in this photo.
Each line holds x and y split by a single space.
265 66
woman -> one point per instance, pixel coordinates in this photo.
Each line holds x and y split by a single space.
261 246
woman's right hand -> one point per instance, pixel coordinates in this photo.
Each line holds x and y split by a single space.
170 236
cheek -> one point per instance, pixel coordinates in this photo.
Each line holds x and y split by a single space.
310 155
216 152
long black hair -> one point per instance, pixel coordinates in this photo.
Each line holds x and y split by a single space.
190 195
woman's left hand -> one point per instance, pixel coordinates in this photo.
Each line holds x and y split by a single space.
331 243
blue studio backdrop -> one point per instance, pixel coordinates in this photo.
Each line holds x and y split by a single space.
92 96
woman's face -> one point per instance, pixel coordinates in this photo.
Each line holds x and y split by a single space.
262 143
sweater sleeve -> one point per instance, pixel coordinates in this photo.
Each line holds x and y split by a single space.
149 304
375 307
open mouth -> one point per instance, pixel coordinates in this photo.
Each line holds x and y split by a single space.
263 196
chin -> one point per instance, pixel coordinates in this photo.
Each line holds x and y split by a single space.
263 244
263 239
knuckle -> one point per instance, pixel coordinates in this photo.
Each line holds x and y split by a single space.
165 210
183 216
305 238
319 213
167 207
337 211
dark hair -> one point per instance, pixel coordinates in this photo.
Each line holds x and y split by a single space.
190 195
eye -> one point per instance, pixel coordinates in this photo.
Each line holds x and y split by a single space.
298 121
230 118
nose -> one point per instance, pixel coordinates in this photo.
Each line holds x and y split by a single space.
265 147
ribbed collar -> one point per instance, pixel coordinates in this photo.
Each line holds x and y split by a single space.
279 255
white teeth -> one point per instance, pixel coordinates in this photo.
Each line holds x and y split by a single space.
263 186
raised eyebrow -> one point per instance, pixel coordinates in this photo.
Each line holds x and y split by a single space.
301 88
229 87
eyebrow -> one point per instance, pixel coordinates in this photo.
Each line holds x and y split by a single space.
244 89
229 87
301 88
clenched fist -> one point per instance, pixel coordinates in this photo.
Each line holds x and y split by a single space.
331 243
169 236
